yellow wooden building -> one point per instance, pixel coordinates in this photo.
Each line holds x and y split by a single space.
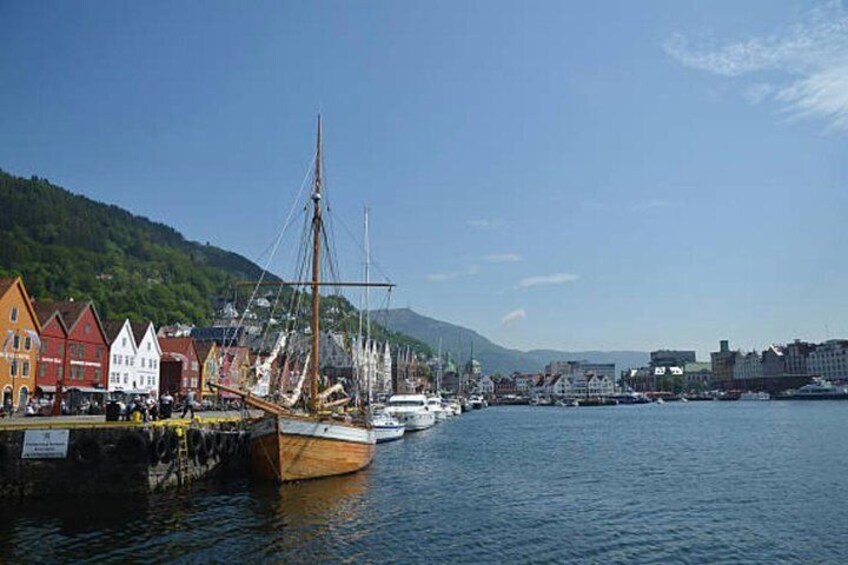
19 344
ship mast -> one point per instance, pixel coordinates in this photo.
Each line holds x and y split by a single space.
316 273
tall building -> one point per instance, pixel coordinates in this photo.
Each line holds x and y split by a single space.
722 362
829 360
795 357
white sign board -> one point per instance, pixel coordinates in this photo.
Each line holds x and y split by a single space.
45 444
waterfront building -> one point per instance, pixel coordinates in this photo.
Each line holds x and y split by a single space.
228 333
773 362
209 363
148 357
123 349
505 386
179 370
671 358
235 367
795 357
485 385
722 362
53 352
19 343
829 360
84 353
697 376
748 366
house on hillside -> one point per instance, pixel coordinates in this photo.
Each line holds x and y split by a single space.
19 343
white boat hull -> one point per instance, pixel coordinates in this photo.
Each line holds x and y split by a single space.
389 433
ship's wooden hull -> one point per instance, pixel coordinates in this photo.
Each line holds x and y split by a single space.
295 449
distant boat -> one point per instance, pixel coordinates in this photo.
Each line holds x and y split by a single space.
754 396
820 389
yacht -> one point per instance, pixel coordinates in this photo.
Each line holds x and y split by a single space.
476 401
412 410
387 428
820 389
434 403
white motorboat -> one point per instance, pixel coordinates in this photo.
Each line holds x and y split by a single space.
476 402
387 428
434 403
412 410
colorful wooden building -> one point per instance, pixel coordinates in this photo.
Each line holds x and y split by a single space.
207 354
19 343
179 368
84 352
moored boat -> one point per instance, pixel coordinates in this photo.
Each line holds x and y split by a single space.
412 411
386 428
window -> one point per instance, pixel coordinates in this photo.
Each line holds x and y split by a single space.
148 346
61 349
81 350
42 369
88 328
123 342
13 315
43 347
97 374
194 365
99 352
60 372
142 362
25 369
16 342
27 343
13 369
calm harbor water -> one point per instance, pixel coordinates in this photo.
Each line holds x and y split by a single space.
714 482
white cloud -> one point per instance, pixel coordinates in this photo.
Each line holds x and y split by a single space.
443 277
513 318
656 205
503 258
812 57
484 224
559 278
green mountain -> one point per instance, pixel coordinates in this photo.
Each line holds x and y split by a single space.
66 245
494 358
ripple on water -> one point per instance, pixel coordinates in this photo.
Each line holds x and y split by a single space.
703 482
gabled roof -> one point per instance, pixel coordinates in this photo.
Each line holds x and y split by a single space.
7 283
139 329
71 312
180 345
202 348
112 329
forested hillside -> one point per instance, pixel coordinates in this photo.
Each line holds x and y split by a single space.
66 245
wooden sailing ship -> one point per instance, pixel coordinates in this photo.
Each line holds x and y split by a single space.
292 446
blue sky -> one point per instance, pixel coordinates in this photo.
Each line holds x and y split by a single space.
604 175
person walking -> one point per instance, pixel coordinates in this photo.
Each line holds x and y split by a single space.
188 404
166 405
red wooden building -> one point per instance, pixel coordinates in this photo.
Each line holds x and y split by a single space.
179 368
74 348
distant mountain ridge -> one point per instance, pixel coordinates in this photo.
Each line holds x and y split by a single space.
493 357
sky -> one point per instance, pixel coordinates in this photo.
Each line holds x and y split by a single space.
596 175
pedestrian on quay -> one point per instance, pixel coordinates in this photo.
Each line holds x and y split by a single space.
166 405
188 404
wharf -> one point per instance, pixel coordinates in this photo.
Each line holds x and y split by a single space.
87 455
